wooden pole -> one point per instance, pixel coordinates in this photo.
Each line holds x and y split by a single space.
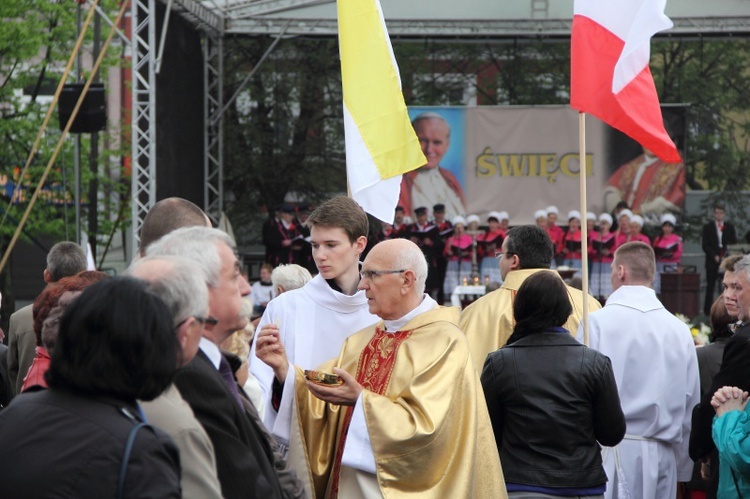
584 228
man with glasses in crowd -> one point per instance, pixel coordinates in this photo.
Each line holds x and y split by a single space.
488 322
247 461
178 281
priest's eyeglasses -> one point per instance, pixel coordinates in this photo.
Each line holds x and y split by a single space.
499 254
202 320
369 274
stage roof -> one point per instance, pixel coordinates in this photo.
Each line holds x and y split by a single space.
447 18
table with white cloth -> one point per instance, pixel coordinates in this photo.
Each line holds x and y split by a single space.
458 291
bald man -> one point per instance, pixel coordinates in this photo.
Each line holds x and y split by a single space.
406 433
168 215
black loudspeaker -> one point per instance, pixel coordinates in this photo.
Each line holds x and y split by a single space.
92 117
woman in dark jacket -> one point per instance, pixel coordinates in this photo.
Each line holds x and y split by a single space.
550 399
116 344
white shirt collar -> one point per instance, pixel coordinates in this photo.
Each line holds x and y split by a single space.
395 325
212 351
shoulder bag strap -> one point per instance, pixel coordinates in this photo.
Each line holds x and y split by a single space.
126 458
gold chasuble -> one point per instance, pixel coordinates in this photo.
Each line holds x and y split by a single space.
488 322
425 412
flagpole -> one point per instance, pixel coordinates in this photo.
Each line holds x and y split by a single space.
584 226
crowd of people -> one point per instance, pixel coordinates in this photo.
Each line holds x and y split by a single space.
359 384
464 247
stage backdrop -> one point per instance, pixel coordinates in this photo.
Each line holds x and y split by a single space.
522 159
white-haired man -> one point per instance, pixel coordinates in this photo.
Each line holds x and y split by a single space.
246 460
432 183
656 369
179 283
288 277
392 428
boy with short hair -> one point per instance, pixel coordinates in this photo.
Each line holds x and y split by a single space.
312 322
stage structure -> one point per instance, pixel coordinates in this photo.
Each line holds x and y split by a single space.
214 19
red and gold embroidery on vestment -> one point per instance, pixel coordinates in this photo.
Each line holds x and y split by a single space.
376 363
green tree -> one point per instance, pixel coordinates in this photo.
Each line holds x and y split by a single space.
36 40
284 135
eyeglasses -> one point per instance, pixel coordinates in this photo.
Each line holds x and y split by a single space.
369 274
201 320
499 254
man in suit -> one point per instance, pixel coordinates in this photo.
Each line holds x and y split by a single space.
247 461
716 238
63 260
735 363
179 282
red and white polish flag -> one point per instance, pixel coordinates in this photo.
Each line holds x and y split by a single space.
609 70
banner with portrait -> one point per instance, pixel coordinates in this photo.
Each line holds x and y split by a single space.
522 159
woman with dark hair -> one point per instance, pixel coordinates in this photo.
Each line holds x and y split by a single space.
544 379
85 436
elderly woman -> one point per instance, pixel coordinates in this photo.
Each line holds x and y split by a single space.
544 379
85 436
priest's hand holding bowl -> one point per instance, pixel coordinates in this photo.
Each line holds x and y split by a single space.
346 393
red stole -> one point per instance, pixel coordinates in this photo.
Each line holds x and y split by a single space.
374 371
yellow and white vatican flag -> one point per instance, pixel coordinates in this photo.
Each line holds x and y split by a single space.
380 142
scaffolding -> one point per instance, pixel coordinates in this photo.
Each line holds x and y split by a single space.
216 18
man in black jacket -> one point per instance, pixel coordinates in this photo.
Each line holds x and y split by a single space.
716 238
735 363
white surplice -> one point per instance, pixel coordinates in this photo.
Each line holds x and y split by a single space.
656 368
313 322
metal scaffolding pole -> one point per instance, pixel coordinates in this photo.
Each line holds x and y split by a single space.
143 45
213 135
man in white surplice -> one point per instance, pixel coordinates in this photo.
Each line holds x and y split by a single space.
312 322
656 368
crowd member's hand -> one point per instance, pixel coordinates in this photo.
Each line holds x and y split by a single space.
345 394
729 398
706 468
269 349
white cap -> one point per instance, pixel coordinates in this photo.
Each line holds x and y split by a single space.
637 219
552 209
472 218
540 214
590 215
668 218
458 219
574 214
626 212
605 217
495 215
503 216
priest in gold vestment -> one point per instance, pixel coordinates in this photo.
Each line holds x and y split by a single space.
488 322
409 419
